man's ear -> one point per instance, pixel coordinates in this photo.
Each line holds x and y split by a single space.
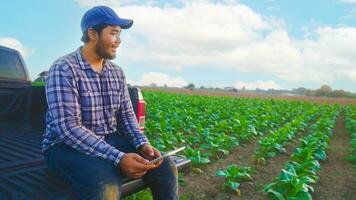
92 34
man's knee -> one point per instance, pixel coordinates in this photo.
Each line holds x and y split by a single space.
104 191
110 191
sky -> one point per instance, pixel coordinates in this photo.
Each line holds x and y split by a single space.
280 44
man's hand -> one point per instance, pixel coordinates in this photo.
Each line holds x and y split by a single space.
150 153
134 166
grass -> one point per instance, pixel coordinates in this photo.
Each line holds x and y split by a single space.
38 83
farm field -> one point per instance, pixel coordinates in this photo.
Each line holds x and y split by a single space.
249 148
327 100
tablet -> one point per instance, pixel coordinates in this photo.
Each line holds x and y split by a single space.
154 161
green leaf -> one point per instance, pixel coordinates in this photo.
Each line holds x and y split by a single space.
232 185
320 154
275 194
286 175
310 188
221 173
303 196
271 154
307 180
269 186
204 160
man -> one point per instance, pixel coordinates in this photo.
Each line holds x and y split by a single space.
85 92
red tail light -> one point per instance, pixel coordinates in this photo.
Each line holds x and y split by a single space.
141 110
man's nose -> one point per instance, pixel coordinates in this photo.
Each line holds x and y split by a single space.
117 39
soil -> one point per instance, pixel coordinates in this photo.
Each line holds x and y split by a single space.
207 185
337 178
324 100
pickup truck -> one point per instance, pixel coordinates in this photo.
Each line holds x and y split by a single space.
23 172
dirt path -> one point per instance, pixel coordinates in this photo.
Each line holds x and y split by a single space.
337 181
254 190
207 185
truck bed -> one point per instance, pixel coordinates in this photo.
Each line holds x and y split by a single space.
23 172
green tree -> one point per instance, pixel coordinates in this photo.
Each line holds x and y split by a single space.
190 86
324 90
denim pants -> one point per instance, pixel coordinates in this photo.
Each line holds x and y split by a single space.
95 178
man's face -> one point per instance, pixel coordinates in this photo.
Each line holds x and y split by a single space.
108 42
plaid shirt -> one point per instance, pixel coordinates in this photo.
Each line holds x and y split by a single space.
83 105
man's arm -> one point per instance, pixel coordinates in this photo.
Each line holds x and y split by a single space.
63 106
126 118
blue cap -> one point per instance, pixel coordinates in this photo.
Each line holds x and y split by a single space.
103 15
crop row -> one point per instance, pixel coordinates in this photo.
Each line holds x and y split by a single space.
274 143
211 127
269 146
350 119
294 181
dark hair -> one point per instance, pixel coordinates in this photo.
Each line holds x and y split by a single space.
98 28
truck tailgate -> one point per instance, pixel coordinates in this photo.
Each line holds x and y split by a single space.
23 172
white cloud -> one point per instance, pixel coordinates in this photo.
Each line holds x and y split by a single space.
235 37
193 35
347 1
159 79
265 85
231 35
349 74
130 81
14 44
331 54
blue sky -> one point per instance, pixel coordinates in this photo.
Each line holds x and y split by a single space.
252 43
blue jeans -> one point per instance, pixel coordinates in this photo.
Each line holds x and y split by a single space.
95 178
